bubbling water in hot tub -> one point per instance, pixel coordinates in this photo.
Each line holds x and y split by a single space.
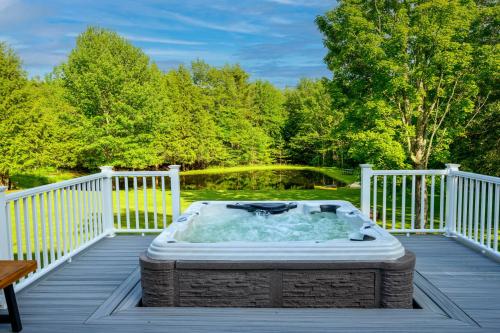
218 224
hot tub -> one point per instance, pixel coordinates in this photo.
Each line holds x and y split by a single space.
276 254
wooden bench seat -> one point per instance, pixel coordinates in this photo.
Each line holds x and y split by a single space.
10 272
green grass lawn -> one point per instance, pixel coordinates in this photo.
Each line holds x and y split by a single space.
42 177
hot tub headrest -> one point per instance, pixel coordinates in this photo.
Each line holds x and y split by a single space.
268 207
329 208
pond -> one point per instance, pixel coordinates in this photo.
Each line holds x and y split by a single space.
259 180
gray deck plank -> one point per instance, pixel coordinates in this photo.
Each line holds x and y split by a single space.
65 299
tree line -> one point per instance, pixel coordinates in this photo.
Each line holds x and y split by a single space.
414 84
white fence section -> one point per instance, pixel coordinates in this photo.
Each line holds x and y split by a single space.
475 210
459 204
52 223
140 199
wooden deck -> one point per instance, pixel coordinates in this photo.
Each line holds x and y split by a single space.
86 296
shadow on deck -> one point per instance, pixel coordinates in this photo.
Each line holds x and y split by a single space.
72 298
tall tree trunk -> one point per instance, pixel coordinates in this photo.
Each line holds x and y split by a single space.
420 163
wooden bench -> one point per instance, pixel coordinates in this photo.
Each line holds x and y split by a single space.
10 272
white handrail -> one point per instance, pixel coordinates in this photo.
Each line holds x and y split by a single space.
470 175
408 172
49 187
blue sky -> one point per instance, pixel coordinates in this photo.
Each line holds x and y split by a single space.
275 40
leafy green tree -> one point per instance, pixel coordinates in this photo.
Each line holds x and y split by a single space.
269 114
229 94
413 59
478 147
112 83
39 129
410 64
311 123
187 131
12 79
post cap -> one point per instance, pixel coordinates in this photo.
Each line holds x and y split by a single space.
174 167
452 166
366 165
106 168
3 189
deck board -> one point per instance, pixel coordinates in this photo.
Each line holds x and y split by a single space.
65 299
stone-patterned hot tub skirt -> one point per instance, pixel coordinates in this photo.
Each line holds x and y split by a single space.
328 284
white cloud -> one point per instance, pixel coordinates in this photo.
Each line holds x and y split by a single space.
241 27
147 39
303 3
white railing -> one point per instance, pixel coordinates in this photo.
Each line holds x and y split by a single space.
475 210
140 199
460 204
52 223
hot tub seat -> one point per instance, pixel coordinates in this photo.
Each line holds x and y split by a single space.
278 283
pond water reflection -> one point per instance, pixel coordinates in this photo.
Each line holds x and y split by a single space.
259 180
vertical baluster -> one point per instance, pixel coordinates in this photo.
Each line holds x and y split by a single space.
95 188
136 204
92 222
19 232
81 213
50 221
63 220
36 241
163 201
76 214
100 202
154 202
27 229
496 214
43 226
57 225
488 222
471 208
413 178
69 221
441 204
118 210
384 201
127 206
145 187
403 203
89 211
422 202
476 211
483 211
459 206
394 201
431 217
85 213
9 230
374 214
465 205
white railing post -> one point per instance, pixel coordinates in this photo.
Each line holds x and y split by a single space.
451 189
107 204
366 173
175 188
4 237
